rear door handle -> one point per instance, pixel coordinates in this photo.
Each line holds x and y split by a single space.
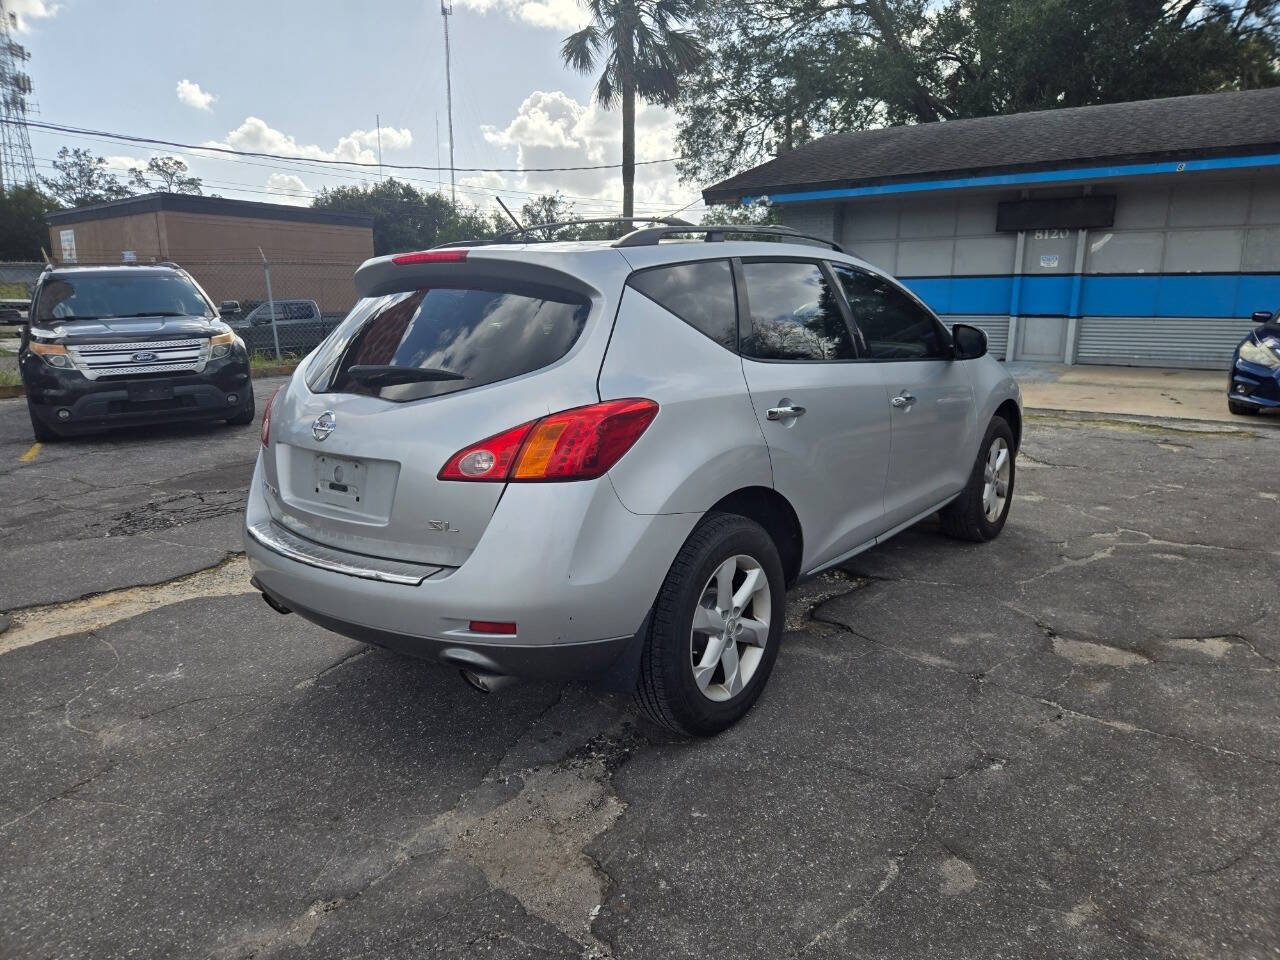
902 400
785 413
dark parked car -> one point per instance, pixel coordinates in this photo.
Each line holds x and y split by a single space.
112 346
1254 382
299 325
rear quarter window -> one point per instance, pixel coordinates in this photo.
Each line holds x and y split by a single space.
483 335
701 294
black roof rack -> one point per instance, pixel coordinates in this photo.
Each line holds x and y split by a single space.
716 233
50 265
525 231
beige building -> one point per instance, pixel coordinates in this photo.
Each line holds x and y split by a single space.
312 254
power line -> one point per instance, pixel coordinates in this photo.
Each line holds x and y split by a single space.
479 192
341 164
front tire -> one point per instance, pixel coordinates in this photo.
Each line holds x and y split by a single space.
1244 409
244 417
979 513
42 431
715 629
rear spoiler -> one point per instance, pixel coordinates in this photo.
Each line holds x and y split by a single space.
485 266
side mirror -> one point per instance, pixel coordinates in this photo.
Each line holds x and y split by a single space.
229 307
1262 316
970 342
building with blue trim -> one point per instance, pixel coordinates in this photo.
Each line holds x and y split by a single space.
1133 233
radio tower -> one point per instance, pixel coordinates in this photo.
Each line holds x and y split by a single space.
16 163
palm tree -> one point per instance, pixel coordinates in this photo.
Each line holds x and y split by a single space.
642 52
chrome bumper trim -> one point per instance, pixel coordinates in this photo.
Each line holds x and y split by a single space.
281 541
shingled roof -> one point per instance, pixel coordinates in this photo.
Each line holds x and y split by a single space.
1215 124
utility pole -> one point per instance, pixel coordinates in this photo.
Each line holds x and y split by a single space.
446 11
16 164
377 120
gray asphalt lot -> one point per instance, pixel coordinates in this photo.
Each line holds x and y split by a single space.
1065 743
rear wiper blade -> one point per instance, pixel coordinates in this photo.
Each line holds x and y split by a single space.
387 374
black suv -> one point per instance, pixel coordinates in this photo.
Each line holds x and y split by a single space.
115 346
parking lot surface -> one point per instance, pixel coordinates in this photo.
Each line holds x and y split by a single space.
1063 743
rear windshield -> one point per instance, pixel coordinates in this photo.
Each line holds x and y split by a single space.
479 335
89 297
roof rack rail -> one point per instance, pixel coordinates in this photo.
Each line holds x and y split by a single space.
525 231
716 232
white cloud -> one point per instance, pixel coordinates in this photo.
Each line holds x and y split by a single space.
191 94
290 188
552 14
122 164
552 129
27 10
392 138
359 146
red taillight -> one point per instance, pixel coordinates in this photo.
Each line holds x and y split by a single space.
488 460
492 626
266 417
429 256
577 444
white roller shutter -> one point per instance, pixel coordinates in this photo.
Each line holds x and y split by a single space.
1202 342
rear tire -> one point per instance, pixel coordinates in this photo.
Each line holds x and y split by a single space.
42 431
1244 409
979 513
691 681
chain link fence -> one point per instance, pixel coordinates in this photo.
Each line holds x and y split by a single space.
282 307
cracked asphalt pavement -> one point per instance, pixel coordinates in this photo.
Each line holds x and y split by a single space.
1065 743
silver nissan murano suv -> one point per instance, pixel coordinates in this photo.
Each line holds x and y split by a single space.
609 460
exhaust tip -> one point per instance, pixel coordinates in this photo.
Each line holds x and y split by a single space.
486 682
275 605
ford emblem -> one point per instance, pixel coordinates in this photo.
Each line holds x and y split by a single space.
145 358
324 425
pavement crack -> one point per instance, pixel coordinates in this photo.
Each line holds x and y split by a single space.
228 577
893 870
66 707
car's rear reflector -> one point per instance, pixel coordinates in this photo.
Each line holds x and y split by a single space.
492 626
430 256
578 444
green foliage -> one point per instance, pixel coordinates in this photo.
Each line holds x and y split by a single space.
406 218
164 175
757 213
23 231
83 178
641 51
781 72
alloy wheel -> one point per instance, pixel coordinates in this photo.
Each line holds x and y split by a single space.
995 476
730 628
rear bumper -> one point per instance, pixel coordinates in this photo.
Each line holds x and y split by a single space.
567 563
91 405
1250 383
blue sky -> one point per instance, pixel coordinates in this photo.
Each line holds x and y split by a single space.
308 78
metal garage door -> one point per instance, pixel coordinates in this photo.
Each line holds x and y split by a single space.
996 329
1206 343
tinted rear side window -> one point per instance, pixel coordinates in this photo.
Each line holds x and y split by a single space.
701 294
794 314
485 335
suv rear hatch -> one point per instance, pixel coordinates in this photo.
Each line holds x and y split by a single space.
439 354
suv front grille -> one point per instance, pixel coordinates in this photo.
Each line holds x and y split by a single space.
96 360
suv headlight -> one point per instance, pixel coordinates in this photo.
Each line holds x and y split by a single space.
1265 354
221 344
54 354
